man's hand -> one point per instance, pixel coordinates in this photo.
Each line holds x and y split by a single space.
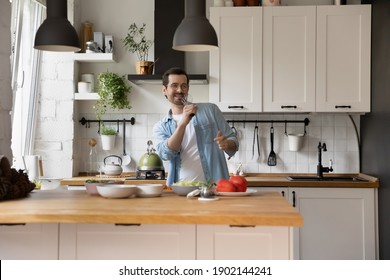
223 143
189 111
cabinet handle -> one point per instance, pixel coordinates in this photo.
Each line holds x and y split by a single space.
10 225
241 226
343 106
235 107
293 193
288 106
128 225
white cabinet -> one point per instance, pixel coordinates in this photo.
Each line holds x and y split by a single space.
110 241
29 242
339 223
297 59
224 242
343 58
289 42
236 68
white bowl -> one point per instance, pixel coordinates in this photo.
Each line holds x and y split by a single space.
116 190
183 190
149 190
91 187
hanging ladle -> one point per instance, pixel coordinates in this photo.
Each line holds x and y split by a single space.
126 159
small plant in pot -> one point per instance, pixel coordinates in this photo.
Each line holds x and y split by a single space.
136 42
108 136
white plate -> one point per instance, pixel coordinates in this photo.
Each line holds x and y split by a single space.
248 192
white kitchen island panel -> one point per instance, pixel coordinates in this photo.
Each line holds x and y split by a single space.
127 241
224 242
29 241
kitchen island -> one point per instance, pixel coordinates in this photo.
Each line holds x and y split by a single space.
68 224
341 220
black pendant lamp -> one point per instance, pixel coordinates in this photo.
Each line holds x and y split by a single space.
56 33
195 33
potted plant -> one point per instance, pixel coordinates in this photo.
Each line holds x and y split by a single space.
136 42
112 91
108 136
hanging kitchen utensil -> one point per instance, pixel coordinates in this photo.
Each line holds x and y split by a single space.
272 155
256 142
126 159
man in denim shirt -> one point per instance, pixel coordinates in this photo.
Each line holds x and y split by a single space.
192 137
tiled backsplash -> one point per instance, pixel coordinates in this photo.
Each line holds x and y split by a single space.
336 130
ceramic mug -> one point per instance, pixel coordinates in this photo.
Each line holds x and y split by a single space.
89 78
84 87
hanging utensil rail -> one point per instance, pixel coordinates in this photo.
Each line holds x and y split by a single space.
87 123
306 122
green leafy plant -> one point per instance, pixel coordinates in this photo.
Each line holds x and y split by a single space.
112 90
136 42
105 130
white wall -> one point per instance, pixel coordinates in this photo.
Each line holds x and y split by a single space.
5 80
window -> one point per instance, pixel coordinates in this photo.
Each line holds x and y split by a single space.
27 15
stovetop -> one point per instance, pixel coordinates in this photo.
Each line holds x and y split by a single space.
148 175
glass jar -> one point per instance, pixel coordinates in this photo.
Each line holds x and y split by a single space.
86 35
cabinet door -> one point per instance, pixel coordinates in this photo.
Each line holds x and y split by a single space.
343 58
114 242
224 242
235 69
289 37
338 223
29 242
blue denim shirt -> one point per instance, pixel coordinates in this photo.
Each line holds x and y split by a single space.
207 121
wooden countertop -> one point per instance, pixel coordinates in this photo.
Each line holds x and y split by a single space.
76 206
262 180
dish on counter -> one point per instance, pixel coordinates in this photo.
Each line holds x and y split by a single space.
149 190
183 190
248 192
91 185
117 190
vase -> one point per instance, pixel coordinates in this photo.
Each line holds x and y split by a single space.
144 67
108 142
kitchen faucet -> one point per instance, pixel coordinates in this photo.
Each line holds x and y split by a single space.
320 168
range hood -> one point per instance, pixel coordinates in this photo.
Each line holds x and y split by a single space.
167 16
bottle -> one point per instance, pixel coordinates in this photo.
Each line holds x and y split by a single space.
86 35
92 164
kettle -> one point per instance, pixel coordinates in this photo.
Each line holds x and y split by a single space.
112 168
150 161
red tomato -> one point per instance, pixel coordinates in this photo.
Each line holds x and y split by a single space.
239 182
224 185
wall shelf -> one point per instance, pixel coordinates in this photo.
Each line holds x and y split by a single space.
94 57
156 79
86 96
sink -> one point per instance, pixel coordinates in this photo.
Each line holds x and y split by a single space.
326 178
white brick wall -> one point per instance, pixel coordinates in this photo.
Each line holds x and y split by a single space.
5 80
55 125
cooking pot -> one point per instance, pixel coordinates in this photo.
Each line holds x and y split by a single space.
112 168
150 160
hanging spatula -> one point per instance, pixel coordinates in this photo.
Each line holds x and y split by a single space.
272 155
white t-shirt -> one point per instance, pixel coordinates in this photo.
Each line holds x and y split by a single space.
191 167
